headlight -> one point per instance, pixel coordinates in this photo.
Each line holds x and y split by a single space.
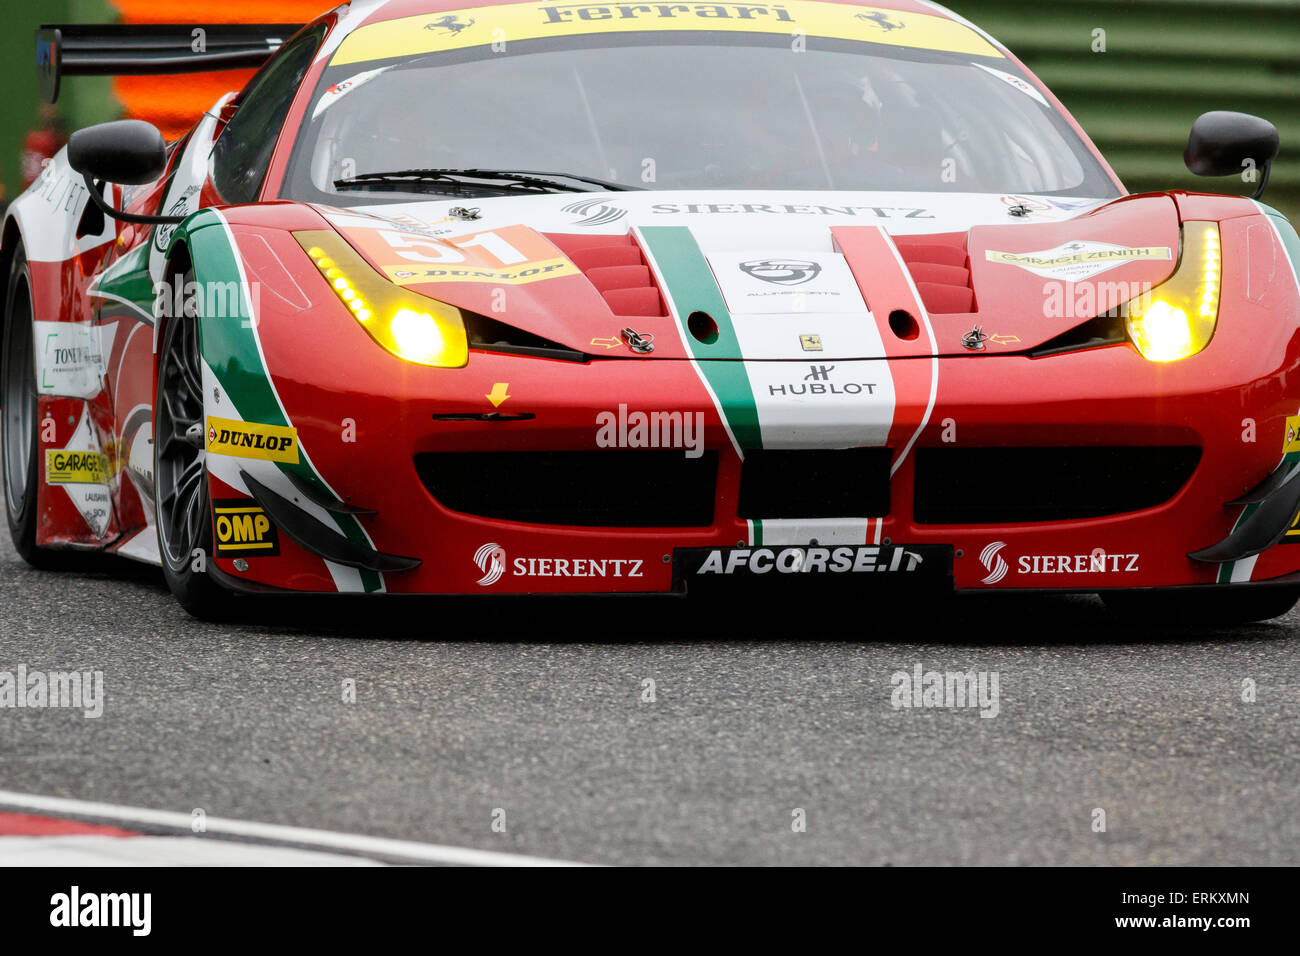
1177 318
411 326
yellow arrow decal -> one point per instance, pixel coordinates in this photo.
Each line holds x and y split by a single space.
498 393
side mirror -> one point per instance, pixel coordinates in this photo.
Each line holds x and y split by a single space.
126 152
1224 143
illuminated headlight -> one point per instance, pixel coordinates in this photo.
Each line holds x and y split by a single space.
410 326
1177 318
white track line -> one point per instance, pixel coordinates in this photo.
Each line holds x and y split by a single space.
406 850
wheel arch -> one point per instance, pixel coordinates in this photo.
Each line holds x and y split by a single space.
178 260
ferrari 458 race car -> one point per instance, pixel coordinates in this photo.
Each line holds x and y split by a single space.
609 298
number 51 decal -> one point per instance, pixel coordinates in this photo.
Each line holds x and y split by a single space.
510 255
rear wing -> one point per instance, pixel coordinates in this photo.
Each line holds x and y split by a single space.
131 50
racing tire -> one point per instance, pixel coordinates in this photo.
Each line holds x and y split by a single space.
19 444
182 510
1205 608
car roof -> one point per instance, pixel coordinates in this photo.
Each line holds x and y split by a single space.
397 9
373 30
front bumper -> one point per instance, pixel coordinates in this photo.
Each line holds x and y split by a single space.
1233 414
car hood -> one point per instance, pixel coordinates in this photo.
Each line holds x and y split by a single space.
578 269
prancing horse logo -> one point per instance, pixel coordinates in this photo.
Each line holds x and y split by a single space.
450 24
881 19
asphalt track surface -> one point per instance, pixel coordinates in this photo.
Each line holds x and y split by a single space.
535 708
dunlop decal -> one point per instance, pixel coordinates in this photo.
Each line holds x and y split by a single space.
1292 442
252 440
547 269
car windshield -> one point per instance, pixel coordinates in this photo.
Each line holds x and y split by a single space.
722 111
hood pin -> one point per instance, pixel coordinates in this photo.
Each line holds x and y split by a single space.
639 342
974 339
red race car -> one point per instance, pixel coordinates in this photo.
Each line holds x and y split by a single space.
609 298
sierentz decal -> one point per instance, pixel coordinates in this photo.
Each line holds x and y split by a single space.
481 26
242 528
1078 259
492 560
252 440
76 468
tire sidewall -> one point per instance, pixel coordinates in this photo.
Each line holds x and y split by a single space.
195 589
22 527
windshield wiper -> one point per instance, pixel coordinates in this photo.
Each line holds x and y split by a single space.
457 180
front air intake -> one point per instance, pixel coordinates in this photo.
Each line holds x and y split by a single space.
1011 485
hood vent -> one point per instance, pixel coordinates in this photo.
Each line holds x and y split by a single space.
940 269
615 266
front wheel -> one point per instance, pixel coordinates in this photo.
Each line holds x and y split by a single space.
182 510
1202 608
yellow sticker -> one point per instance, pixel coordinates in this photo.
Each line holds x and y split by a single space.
243 528
481 26
76 467
252 440
529 272
1292 442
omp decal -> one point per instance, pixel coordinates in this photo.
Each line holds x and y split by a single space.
234 365
71 357
684 275
512 255
76 467
252 440
241 529
1080 259
471 27
1292 534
